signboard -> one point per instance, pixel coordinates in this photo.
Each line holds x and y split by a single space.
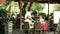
56 17
2 1
10 26
6 28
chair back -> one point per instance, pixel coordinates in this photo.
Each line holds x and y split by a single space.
26 26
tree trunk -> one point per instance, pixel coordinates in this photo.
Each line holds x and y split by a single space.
23 9
30 6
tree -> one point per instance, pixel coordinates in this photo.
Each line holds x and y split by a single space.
43 14
56 7
37 7
34 13
24 7
3 19
3 15
30 6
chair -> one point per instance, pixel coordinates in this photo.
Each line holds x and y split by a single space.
26 27
37 27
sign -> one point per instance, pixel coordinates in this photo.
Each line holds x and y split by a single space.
10 26
56 17
6 28
2 1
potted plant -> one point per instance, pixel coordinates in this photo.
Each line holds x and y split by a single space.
3 19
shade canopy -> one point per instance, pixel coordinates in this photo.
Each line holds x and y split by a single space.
41 1
2 1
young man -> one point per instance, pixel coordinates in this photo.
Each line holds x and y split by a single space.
28 14
41 19
58 27
28 18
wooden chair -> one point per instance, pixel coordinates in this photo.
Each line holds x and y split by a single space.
37 27
26 27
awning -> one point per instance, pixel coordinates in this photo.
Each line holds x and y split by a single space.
41 1
2 1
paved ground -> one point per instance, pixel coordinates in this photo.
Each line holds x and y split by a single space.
22 32
18 31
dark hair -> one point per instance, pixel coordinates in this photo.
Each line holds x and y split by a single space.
46 18
30 10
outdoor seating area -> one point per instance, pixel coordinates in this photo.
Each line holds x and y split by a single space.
30 16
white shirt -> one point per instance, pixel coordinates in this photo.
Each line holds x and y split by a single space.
27 14
41 20
30 22
27 20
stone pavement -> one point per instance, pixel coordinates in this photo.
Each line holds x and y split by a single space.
17 31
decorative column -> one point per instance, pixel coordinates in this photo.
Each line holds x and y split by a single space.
48 7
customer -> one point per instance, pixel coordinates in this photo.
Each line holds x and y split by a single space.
41 19
58 27
44 27
28 18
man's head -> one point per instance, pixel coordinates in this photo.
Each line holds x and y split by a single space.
41 16
50 17
59 20
30 11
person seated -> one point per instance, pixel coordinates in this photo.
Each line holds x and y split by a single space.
29 21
